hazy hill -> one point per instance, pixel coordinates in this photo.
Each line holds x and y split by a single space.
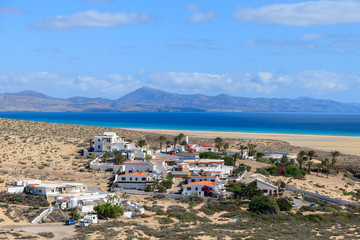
149 99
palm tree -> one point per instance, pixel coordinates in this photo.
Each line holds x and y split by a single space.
175 141
318 168
311 154
284 161
226 146
301 158
251 148
106 156
218 143
90 141
119 158
141 143
334 154
161 141
309 164
180 136
236 156
242 148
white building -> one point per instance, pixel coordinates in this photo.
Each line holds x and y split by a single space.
198 188
202 147
264 184
55 189
192 179
84 202
19 186
135 180
140 166
208 165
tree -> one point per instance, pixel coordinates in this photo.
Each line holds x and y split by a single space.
180 136
292 171
226 146
228 161
334 155
309 165
209 155
141 143
236 156
264 204
284 204
175 141
161 141
318 168
251 148
242 148
106 156
90 141
218 143
119 158
284 160
311 154
301 158
108 210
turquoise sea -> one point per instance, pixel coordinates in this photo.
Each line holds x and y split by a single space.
291 123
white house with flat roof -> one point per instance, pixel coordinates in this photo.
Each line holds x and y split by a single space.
200 188
135 180
55 189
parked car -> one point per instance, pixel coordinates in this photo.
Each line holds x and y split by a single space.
191 150
295 204
299 196
84 223
313 205
70 222
172 153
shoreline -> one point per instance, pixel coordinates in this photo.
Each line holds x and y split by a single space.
344 144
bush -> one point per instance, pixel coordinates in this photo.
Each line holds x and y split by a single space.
293 171
46 234
108 210
165 220
264 204
228 161
284 204
262 171
248 168
273 170
209 155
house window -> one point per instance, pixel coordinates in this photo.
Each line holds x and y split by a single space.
130 178
192 180
196 188
144 179
130 171
212 180
123 178
265 190
188 188
98 146
98 139
136 179
52 190
40 190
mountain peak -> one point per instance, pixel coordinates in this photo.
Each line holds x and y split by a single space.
30 93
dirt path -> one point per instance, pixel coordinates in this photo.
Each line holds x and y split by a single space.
58 229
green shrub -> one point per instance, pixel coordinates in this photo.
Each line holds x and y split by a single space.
46 234
284 204
293 171
165 220
262 171
264 204
248 168
273 170
108 210
228 161
209 155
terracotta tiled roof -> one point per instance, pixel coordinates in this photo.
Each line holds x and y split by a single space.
32 185
141 163
205 183
143 174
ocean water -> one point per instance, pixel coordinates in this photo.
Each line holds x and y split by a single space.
290 123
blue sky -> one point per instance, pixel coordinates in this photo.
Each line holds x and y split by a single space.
107 48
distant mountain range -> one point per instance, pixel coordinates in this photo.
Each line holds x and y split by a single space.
147 99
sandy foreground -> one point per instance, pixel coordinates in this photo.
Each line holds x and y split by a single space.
344 144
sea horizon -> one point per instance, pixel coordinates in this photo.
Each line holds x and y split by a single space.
336 124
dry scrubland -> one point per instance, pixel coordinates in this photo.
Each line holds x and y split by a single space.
50 152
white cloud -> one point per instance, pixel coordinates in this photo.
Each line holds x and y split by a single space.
325 81
50 50
280 42
194 7
91 18
324 12
115 85
202 17
7 10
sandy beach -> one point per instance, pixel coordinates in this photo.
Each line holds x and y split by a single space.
344 144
